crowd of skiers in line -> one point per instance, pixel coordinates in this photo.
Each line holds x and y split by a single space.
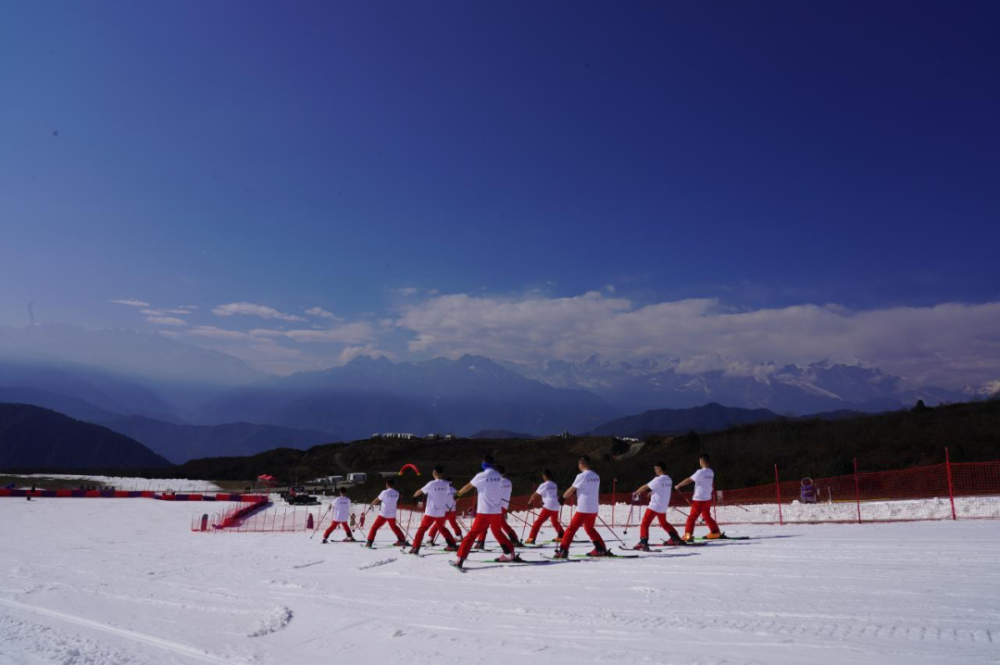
494 490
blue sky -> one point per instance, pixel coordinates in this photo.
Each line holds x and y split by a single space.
760 156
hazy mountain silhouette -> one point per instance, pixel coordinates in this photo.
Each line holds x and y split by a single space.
180 443
708 418
376 395
33 437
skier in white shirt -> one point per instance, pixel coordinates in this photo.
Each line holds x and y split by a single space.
451 516
489 512
701 503
341 516
387 501
587 488
659 501
548 492
435 510
508 488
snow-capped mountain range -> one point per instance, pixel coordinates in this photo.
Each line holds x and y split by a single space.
657 383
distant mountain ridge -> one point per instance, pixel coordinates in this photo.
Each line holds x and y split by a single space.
708 418
181 443
176 441
371 395
653 384
111 374
33 437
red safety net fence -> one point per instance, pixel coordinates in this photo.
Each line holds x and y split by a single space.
938 492
232 517
944 491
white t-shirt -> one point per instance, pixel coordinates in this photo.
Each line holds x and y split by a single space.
703 481
436 497
341 509
452 501
659 499
389 499
488 484
550 495
508 489
588 487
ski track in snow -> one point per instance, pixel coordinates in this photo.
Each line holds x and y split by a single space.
105 582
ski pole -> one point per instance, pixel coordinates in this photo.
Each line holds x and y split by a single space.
692 507
531 511
631 507
320 521
518 517
611 530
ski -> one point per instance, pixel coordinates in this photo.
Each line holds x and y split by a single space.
585 557
724 537
668 545
421 555
456 566
496 562
516 562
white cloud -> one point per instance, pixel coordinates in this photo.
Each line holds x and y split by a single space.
189 307
166 321
350 333
407 291
212 332
251 309
948 344
349 353
322 313
131 303
151 312
179 312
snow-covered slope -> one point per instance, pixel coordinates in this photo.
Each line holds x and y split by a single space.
124 582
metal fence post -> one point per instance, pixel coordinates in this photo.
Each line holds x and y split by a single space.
614 499
951 486
857 489
777 488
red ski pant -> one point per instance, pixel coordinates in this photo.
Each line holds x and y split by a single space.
480 526
452 519
704 510
391 521
333 527
426 523
546 514
508 531
585 520
648 518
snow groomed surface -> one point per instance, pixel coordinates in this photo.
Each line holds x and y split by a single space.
127 583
